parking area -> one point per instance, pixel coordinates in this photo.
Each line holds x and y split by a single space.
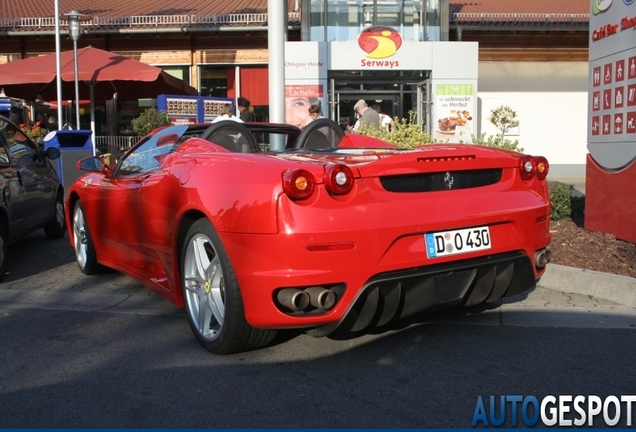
42 273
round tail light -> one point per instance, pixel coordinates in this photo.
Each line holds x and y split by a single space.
298 184
338 179
528 167
542 167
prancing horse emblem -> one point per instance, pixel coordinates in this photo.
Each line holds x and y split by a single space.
448 180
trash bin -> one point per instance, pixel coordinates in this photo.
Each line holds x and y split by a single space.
73 145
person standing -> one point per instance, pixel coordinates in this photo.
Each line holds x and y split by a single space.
226 114
314 114
385 120
368 118
353 127
244 110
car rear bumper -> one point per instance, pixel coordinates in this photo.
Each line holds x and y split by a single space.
398 295
383 273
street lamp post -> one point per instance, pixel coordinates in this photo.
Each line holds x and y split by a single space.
58 64
74 33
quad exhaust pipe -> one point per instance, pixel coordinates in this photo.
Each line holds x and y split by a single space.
299 300
542 257
321 298
293 299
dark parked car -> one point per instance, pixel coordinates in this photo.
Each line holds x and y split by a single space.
32 196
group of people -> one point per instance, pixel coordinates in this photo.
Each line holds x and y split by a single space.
244 112
369 117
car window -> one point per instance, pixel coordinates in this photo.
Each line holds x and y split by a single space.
21 149
148 155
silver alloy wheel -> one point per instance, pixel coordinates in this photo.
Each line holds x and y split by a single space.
204 287
79 236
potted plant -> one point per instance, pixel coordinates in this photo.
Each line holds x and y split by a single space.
36 132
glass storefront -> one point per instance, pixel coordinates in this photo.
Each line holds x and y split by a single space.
394 91
342 20
213 80
397 92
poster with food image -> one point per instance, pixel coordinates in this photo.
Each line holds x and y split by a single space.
454 110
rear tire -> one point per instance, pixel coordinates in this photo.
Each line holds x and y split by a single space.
56 227
212 296
83 243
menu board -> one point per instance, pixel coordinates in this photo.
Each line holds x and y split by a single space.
213 108
182 106
192 109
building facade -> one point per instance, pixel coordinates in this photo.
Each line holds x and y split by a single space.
445 60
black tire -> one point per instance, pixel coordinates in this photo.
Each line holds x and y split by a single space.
83 243
208 280
3 254
56 227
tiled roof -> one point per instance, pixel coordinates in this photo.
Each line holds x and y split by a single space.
521 6
37 8
37 15
519 12
30 15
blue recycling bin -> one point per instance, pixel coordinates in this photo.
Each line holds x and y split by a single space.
73 145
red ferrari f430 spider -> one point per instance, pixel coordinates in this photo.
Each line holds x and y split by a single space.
333 232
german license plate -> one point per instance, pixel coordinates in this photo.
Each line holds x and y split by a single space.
444 243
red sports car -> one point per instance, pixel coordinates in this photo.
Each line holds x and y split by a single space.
335 232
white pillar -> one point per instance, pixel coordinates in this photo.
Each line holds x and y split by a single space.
276 36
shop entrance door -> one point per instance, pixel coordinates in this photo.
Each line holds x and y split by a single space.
423 98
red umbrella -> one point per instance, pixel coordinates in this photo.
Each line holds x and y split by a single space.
106 72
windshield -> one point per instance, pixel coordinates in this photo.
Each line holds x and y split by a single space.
149 153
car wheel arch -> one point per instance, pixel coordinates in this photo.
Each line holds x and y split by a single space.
184 224
70 206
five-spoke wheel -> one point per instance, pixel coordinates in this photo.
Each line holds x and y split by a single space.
83 243
212 297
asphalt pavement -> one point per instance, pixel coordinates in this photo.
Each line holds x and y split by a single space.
43 274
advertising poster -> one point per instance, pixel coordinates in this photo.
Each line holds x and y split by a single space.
298 99
192 109
181 110
454 112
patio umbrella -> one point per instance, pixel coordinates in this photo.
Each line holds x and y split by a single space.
101 74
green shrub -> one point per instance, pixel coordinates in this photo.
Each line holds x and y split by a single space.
563 204
504 119
405 133
495 141
578 207
149 120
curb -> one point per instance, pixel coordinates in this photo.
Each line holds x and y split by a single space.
619 289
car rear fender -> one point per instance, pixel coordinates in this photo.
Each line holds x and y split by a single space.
239 192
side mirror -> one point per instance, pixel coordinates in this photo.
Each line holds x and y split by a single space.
93 164
52 153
